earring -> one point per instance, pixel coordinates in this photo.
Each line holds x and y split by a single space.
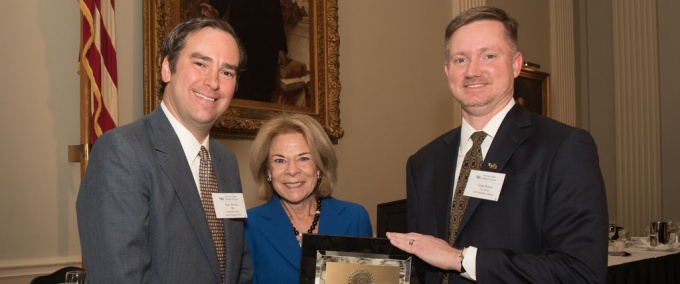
318 177
269 179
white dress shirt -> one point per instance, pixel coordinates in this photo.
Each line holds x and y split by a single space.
190 145
466 131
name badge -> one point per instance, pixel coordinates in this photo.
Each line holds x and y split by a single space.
229 205
484 185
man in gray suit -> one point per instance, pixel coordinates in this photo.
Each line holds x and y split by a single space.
140 214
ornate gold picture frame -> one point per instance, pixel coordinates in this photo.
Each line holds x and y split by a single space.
244 117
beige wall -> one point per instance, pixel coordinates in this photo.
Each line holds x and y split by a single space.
394 99
394 96
39 116
669 44
534 28
596 79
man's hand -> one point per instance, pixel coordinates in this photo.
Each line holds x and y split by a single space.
436 252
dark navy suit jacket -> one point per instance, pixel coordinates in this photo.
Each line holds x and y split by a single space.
550 222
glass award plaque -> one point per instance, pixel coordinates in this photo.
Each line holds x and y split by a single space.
328 259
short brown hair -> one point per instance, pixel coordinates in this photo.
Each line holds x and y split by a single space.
174 42
320 148
483 13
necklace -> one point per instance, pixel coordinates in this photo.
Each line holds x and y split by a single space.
314 223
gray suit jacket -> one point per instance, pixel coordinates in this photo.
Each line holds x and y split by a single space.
140 216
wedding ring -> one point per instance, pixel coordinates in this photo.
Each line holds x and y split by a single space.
410 243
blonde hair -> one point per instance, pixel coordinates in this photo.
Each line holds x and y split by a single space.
319 144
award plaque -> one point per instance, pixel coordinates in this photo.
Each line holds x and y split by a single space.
330 259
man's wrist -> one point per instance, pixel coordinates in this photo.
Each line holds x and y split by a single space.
461 255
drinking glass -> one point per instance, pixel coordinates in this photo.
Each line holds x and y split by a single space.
624 235
75 277
674 235
659 233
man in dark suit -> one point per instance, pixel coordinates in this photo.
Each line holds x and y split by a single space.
140 214
546 220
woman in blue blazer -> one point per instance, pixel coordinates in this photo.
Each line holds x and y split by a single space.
294 166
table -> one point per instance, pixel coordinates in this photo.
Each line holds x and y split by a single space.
644 266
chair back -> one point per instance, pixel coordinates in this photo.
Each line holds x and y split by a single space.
56 277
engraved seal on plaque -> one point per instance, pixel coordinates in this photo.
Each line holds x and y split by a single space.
361 276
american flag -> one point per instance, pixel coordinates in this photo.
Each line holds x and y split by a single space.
98 59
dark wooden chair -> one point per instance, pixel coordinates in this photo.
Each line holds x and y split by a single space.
392 218
56 277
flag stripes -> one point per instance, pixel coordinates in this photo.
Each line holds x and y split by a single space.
98 58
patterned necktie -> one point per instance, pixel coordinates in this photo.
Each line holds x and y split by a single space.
208 183
472 161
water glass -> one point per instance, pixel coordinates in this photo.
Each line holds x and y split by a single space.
75 277
624 235
659 233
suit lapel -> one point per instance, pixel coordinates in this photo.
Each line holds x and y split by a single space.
278 231
331 221
220 168
232 227
509 136
445 170
173 162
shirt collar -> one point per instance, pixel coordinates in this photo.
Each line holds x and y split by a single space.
491 128
190 145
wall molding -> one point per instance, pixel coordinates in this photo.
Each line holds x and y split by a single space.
36 266
563 61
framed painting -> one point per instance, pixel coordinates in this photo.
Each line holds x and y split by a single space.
532 88
298 38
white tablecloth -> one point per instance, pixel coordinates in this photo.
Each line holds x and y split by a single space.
638 253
